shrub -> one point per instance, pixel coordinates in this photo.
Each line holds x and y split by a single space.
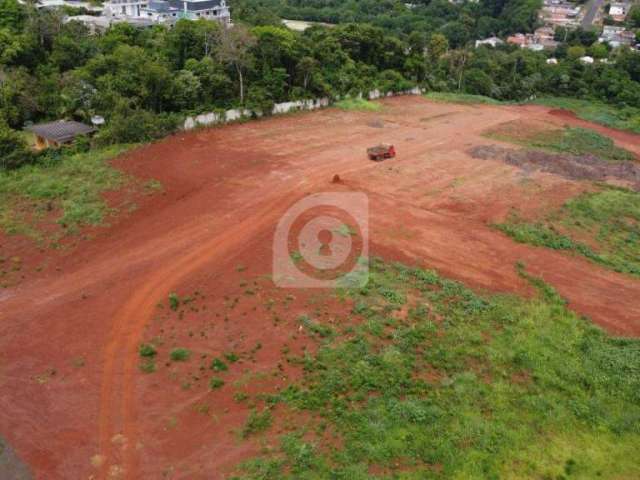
231 357
129 125
174 301
218 365
147 350
180 354
14 151
215 383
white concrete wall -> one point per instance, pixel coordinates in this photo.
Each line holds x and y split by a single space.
212 118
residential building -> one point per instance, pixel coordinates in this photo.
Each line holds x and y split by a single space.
618 11
168 11
491 41
172 10
55 134
538 41
559 13
617 36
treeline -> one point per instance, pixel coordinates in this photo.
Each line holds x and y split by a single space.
143 81
460 22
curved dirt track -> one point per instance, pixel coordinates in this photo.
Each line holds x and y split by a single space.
225 190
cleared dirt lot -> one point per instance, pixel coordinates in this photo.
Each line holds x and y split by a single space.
73 403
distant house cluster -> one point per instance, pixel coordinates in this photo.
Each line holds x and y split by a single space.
541 39
567 15
143 13
559 13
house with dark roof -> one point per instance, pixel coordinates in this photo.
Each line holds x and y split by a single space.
173 10
55 134
169 11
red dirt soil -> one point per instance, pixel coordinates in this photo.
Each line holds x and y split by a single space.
73 402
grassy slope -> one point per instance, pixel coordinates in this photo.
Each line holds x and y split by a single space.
609 217
576 141
358 104
627 118
464 98
460 386
72 183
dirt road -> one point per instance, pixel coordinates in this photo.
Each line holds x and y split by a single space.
73 402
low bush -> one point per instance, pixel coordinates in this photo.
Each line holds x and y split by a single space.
132 125
180 354
14 151
147 350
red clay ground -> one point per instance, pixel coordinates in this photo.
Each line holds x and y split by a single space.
73 402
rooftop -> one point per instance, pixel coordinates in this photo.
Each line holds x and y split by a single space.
60 131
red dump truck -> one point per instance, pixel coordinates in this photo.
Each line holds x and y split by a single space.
380 152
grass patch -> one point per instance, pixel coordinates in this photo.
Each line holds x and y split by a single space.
257 422
231 357
180 354
453 384
71 184
464 98
623 118
148 365
215 383
573 140
609 219
174 301
358 104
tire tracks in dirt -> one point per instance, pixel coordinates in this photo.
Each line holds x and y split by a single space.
117 402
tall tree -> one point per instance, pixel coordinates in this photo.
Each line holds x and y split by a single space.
235 50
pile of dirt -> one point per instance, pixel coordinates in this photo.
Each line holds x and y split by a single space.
574 167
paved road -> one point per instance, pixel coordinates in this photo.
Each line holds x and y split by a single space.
592 8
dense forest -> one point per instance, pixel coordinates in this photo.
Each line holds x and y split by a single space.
143 81
460 22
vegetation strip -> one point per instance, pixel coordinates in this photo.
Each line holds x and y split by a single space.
428 379
609 219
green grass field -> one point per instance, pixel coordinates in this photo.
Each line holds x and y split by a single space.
609 219
463 98
428 379
625 118
72 185
358 104
573 140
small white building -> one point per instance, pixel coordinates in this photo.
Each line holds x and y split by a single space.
552 61
618 10
586 60
124 8
491 41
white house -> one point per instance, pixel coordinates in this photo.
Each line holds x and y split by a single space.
586 60
492 41
124 8
618 10
161 11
